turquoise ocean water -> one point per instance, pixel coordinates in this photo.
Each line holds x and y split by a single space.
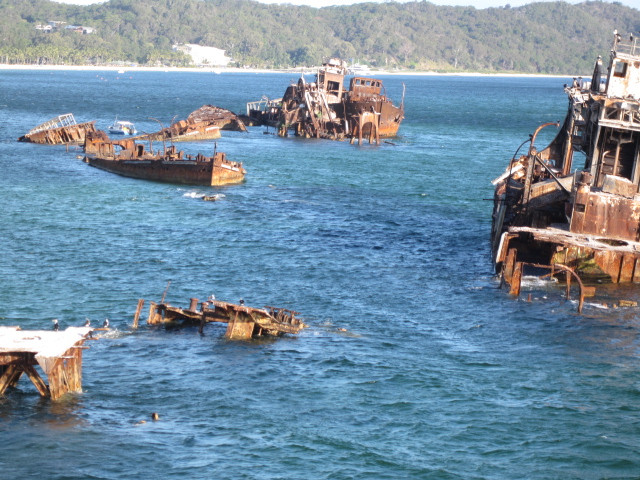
415 364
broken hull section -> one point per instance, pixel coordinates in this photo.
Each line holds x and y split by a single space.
204 123
243 322
171 171
183 132
216 116
171 166
327 109
593 259
60 130
57 353
385 120
587 219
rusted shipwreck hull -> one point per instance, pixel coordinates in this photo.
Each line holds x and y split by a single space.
57 353
547 212
60 130
202 124
220 117
243 322
130 159
326 109
183 131
263 112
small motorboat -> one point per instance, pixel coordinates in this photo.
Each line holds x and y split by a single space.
122 127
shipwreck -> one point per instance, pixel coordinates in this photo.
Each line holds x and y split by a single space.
60 130
581 221
130 159
204 123
243 322
327 109
57 353
218 116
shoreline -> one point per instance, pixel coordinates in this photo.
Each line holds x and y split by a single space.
218 70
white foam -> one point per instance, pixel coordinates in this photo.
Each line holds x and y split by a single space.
537 282
193 195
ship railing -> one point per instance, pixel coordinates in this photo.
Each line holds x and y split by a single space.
262 105
622 114
631 48
65 120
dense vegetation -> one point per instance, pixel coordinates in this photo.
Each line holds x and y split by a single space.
547 37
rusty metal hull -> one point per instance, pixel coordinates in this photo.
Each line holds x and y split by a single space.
547 211
328 109
171 166
243 322
194 134
217 116
72 134
390 117
204 123
188 172
595 259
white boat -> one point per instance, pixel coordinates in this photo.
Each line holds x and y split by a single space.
122 127
359 69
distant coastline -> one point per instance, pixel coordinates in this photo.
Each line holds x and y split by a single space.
215 70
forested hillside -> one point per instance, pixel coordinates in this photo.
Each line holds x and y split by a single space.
546 37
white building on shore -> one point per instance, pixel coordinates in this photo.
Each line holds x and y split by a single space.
204 56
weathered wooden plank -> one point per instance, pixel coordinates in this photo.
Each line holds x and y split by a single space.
516 279
636 271
37 380
136 317
509 264
10 377
626 269
154 317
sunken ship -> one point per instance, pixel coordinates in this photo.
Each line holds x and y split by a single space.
131 159
204 123
326 108
60 130
574 204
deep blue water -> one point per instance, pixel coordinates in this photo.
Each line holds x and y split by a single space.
439 374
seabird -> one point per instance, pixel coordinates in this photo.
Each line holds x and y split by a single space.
87 323
241 301
106 323
55 324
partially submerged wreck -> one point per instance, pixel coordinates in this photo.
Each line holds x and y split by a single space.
204 123
218 116
183 131
130 159
583 220
326 109
243 322
60 130
57 353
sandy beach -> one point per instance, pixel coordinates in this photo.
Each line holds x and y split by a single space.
217 70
